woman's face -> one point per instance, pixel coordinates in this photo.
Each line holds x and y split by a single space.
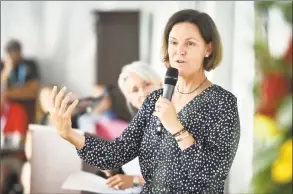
137 89
98 90
187 49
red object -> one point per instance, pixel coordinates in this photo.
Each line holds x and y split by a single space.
267 109
109 130
273 88
16 119
288 55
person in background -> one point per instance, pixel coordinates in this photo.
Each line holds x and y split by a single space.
14 120
99 113
14 126
22 77
136 81
44 102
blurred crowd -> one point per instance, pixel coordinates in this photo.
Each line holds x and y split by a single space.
24 101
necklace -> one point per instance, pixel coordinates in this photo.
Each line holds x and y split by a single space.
192 90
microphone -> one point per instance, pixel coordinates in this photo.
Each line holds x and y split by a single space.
170 81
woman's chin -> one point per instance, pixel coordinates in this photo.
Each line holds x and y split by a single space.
180 68
137 105
182 72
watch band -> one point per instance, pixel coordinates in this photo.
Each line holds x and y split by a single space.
135 181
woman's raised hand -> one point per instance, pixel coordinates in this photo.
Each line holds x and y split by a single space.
61 111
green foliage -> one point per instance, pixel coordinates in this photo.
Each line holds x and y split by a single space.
285 7
266 156
284 115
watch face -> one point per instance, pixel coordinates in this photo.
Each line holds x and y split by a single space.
135 181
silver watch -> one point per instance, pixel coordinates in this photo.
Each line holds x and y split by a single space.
135 181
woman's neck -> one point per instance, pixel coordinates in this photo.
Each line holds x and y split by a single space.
188 84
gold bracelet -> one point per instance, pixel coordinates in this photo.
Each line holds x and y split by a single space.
180 139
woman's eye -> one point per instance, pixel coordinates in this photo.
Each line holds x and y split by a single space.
146 84
190 44
173 42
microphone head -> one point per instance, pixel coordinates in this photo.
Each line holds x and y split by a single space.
171 76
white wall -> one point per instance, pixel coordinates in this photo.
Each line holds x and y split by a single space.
61 35
242 81
235 22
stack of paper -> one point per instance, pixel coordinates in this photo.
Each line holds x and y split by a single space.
84 181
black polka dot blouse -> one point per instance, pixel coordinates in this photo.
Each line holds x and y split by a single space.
211 118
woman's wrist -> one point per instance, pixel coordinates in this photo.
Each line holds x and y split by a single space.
135 181
75 139
67 135
138 181
185 140
176 128
182 136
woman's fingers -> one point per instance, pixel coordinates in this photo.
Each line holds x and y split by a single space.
112 181
53 96
119 185
70 109
107 173
59 104
58 98
64 103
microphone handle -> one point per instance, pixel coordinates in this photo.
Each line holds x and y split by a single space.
167 93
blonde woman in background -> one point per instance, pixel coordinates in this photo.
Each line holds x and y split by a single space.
136 81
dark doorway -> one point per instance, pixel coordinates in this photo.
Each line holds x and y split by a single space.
117 45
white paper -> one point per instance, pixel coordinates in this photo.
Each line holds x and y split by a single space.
84 181
132 167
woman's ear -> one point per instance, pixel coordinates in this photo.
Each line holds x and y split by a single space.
209 50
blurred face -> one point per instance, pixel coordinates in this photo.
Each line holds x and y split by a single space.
45 99
137 89
105 104
98 90
15 56
187 49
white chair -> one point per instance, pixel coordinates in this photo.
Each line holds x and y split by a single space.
50 161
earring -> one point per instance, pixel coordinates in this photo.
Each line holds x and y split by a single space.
207 55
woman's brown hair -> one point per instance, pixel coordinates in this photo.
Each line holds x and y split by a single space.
208 31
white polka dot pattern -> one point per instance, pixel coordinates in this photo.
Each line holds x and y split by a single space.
211 118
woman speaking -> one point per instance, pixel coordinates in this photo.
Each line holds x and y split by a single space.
201 123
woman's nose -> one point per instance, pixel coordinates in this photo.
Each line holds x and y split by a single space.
181 50
142 92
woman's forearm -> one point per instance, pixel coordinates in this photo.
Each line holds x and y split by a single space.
185 140
186 143
76 139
